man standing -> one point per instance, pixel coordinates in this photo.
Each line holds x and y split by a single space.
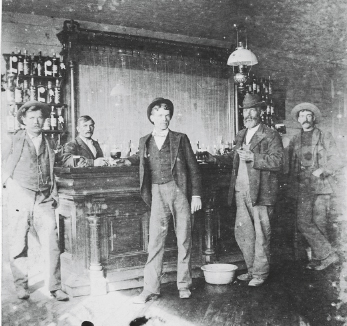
313 160
32 193
84 146
256 159
170 184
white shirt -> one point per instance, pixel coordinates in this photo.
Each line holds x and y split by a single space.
89 143
37 140
160 137
250 133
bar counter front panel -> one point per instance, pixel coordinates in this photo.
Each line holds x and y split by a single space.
103 228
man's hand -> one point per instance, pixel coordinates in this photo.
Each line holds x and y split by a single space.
209 158
245 155
101 161
196 204
123 161
83 163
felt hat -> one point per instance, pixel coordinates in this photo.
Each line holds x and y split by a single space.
157 101
252 101
306 106
33 105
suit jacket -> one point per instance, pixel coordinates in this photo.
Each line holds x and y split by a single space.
14 155
184 167
266 144
79 147
325 155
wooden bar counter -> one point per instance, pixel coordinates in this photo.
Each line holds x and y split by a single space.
103 228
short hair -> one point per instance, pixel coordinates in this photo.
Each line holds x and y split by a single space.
84 118
161 106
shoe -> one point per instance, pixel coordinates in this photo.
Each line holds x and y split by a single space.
331 259
256 281
23 294
185 294
59 295
144 297
312 264
245 277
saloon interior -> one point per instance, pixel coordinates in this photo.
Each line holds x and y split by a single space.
115 57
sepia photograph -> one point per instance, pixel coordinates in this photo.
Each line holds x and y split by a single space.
173 162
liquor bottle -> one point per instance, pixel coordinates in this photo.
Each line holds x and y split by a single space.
18 92
40 66
272 108
57 95
26 64
254 82
263 116
33 90
10 91
265 86
20 66
250 86
54 119
55 65
268 115
48 66
50 93
60 119
62 68
33 64
258 87
41 93
270 86
13 63
26 91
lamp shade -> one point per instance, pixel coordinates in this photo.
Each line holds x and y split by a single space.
242 56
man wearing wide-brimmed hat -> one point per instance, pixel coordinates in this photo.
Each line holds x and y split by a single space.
28 176
256 160
313 161
170 183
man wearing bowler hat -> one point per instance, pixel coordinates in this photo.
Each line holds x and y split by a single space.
170 183
256 160
32 193
313 161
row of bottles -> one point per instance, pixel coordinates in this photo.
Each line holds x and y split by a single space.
220 149
261 85
20 90
36 65
54 122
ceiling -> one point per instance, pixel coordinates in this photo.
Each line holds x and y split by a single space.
307 28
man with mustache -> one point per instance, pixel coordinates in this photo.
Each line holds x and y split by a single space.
32 198
313 161
84 146
256 160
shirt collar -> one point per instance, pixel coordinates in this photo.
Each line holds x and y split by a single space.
161 133
86 140
33 136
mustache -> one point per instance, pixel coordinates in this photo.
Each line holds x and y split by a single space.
250 118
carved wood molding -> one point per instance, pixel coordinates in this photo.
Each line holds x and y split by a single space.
73 36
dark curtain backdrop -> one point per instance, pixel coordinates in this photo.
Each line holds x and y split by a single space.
116 87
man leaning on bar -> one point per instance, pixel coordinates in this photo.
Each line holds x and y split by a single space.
87 150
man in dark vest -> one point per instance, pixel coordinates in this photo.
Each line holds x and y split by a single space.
170 183
256 160
88 149
32 193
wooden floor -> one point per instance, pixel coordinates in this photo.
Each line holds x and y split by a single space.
292 296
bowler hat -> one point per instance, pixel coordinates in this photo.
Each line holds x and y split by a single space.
157 101
252 101
306 106
33 105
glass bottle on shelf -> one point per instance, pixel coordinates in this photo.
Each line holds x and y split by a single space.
50 92
270 86
272 108
258 87
57 92
13 63
26 64
54 119
48 66
33 65
33 90
60 118
40 65
18 92
268 115
55 65
62 68
20 66
265 86
250 85
41 93
26 91
254 82
10 91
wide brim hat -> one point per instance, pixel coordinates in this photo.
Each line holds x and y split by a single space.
308 107
157 101
253 101
33 105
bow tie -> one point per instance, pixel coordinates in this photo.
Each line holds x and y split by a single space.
159 134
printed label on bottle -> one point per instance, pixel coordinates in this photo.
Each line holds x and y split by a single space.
41 94
48 72
20 67
57 95
54 122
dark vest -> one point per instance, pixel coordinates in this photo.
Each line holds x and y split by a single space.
159 161
32 171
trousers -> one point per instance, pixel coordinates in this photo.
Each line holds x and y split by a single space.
252 233
32 211
168 200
